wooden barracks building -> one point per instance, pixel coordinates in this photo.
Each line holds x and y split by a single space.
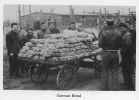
62 20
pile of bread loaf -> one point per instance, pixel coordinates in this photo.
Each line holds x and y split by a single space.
59 47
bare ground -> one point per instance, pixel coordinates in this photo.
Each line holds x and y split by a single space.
85 80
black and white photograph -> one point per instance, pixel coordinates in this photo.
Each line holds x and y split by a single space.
69 47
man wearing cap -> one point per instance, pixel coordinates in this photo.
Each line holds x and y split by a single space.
22 37
108 34
52 29
13 47
128 51
43 30
72 26
110 42
30 34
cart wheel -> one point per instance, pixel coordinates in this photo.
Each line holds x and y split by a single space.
76 68
66 78
39 74
23 70
75 65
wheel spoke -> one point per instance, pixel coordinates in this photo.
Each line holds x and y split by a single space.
38 75
65 78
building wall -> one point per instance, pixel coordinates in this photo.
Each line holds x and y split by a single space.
28 20
62 20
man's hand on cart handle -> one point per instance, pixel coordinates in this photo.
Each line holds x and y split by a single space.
11 54
99 50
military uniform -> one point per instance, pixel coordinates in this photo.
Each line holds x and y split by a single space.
53 30
23 38
110 41
128 52
13 47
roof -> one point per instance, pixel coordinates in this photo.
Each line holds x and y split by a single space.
66 14
58 14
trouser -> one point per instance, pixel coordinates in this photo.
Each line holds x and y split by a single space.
128 72
110 70
13 65
110 59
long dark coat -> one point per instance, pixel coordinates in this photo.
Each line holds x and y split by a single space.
12 42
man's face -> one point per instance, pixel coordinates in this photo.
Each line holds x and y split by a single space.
73 26
80 28
30 32
123 29
105 24
15 28
43 27
132 26
52 25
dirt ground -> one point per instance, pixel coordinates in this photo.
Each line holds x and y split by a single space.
85 80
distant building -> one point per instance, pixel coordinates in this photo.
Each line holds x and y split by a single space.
62 19
88 20
28 20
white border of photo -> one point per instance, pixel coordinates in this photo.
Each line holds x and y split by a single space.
49 94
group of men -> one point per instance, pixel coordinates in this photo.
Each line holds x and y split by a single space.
121 37
125 40
16 38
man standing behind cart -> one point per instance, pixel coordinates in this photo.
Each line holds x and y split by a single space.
128 52
13 46
52 29
110 41
30 34
22 37
72 26
43 30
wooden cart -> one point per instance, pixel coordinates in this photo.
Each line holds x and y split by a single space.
66 70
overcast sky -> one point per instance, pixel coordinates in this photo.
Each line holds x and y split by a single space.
11 11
